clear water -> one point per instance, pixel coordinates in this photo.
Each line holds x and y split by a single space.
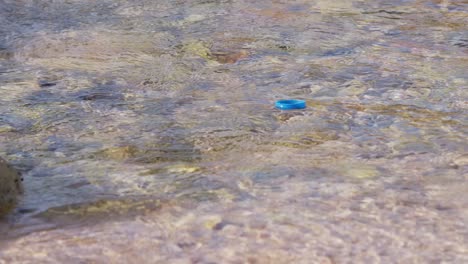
146 131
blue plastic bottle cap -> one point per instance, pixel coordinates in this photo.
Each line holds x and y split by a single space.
290 104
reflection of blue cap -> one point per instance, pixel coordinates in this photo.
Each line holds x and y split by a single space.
290 104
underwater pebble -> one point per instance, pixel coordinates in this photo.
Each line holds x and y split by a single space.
6 128
194 18
182 168
227 57
461 161
359 171
119 153
210 222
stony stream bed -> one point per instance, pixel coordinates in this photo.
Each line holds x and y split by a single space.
146 132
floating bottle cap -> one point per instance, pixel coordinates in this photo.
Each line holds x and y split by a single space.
290 104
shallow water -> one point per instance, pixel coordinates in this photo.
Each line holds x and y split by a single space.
145 130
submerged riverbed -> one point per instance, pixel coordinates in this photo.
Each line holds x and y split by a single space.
146 132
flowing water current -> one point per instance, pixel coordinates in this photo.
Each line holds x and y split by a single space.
146 131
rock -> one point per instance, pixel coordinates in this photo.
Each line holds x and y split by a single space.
10 187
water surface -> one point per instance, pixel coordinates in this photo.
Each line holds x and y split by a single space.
145 130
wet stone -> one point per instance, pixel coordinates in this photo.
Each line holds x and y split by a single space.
10 187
